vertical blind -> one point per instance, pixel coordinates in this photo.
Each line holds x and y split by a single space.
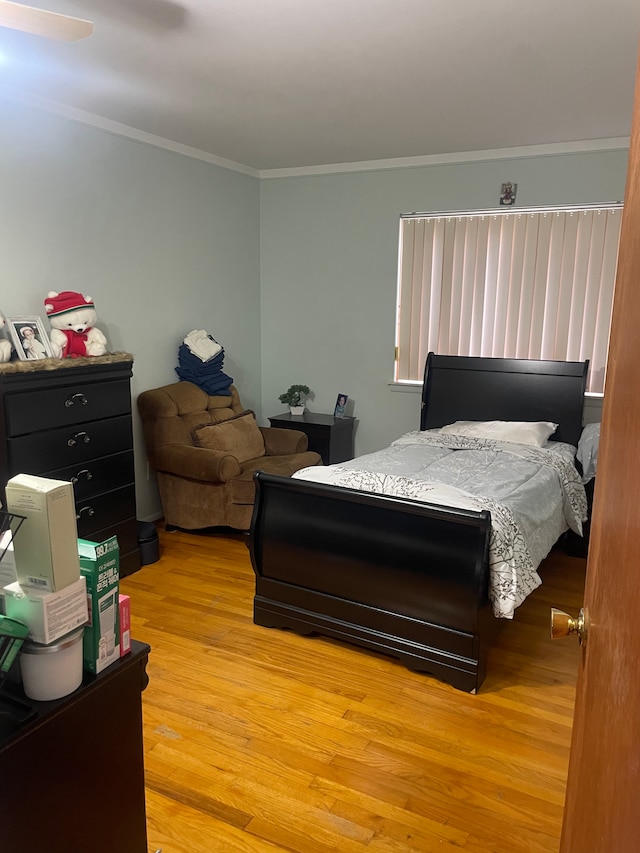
534 283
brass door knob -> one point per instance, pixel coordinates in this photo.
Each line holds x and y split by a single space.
562 625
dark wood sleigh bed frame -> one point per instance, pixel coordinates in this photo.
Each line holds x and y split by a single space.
400 577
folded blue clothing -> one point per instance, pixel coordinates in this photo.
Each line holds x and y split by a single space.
201 371
198 370
216 391
213 385
206 366
206 375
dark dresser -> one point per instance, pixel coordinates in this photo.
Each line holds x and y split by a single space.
329 436
72 776
72 421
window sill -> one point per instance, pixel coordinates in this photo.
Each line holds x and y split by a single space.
406 387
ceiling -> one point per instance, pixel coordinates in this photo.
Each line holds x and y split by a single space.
281 84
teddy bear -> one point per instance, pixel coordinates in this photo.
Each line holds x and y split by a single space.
72 317
5 345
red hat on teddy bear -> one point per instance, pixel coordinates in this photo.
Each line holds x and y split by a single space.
68 300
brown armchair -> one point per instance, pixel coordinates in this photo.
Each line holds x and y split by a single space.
205 451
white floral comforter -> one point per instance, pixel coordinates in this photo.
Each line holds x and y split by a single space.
534 495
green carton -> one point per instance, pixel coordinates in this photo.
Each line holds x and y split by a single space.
100 565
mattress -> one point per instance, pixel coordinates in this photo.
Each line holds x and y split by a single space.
534 495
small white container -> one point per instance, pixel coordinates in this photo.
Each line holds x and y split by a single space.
53 671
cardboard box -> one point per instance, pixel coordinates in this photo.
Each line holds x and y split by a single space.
45 549
100 567
48 615
125 624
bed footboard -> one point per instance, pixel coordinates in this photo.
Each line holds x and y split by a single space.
393 575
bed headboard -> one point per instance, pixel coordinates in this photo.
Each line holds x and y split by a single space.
466 388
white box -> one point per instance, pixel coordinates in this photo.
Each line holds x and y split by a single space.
45 549
48 615
7 561
7 566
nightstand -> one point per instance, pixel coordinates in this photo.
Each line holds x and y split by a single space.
331 437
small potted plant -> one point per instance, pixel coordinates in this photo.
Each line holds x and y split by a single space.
295 397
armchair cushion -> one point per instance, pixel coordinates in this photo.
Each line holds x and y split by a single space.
196 463
238 436
243 488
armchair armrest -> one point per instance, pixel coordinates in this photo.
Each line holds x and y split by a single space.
196 463
283 442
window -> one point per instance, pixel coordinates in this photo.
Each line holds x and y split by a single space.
531 283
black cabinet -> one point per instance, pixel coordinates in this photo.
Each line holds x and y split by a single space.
329 436
73 422
73 776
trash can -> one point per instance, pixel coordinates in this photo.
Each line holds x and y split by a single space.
148 543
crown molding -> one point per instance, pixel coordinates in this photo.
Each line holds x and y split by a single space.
551 149
118 129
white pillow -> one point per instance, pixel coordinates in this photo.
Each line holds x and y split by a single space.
519 432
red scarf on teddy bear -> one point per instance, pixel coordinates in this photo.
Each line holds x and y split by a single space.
76 345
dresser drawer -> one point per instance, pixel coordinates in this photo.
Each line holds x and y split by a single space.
33 454
80 403
126 531
127 534
129 551
130 562
103 511
97 475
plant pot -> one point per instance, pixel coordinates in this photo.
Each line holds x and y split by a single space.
296 410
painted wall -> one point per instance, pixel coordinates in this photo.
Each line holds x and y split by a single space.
328 265
295 276
162 242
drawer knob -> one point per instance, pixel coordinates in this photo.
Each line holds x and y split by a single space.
87 510
84 437
75 398
86 473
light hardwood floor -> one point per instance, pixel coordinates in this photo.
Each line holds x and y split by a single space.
259 741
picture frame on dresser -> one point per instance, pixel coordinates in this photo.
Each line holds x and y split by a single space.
29 338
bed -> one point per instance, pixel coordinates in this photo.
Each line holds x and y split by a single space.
401 576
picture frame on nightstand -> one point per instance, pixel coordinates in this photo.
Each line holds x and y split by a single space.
341 405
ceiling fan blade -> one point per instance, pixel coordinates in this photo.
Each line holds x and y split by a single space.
39 22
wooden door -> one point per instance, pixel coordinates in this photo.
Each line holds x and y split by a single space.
602 811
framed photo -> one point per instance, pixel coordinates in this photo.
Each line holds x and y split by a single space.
508 194
29 338
341 405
